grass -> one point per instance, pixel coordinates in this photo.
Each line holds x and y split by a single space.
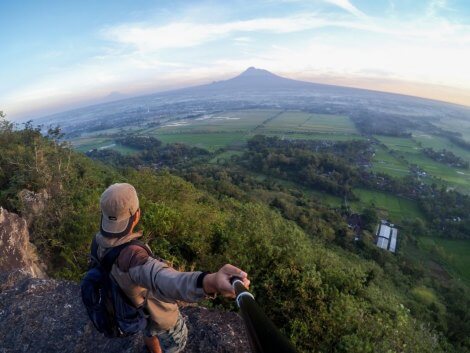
424 295
390 206
454 254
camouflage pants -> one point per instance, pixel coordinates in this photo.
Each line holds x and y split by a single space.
172 340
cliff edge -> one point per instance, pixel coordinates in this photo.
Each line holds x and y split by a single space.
46 315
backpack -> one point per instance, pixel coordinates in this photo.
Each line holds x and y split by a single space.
108 307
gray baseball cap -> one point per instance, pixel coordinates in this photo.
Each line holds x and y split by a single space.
119 204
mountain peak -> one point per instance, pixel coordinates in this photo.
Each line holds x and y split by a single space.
254 72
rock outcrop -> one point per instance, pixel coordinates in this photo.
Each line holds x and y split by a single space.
45 315
16 251
39 315
33 203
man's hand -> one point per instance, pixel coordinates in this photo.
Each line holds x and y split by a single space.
219 282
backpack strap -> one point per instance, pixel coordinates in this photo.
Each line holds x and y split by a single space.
94 259
142 245
112 254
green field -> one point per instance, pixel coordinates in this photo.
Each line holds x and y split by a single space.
440 143
394 208
411 151
384 162
88 143
401 144
227 122
454 254
315 136
209 141
302 122
233 128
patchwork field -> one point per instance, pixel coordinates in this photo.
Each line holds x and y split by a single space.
231 129
402 151
440 143
303 122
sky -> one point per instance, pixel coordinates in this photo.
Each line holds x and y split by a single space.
57 55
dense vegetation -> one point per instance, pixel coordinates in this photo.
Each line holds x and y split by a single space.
326 298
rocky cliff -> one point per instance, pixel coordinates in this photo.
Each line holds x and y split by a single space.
16 251
46 315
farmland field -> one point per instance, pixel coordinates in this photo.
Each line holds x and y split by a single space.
411 152
209 141
302 122
396 208
401 144
236 121
440 143
88 143
384 162
232 128
453 253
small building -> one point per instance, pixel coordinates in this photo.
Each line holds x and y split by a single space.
387 236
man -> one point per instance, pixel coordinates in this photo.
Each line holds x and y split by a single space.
149 281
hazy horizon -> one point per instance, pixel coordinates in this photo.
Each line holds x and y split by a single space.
59 56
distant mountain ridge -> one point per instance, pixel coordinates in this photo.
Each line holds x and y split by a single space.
252 86
253 79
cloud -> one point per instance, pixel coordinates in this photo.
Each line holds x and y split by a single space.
143 56
149 38
347 6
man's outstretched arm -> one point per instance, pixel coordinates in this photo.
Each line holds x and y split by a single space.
171 285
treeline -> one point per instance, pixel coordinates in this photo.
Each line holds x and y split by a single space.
151 153
385 124
454 137
446 157
448 212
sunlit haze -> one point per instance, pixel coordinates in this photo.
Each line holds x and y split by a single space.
58 55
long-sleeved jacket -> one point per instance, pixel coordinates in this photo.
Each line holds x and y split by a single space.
151 281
